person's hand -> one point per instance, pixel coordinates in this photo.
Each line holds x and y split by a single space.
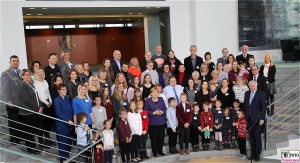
186 125
200 128
261 122
210 129
99 146
94 124
70 122
161 112
86 128
75 129
49 104
129 140
40 110
10 104
233 124
144 132
174 130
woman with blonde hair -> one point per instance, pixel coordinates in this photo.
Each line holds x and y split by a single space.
120 100
134 67
94 87
120 79
65 65
268 70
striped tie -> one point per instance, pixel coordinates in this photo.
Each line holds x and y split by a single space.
251 98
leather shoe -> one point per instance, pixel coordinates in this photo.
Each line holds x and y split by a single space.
257 159
251 158
162 154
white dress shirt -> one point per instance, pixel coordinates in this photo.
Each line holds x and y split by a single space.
169 91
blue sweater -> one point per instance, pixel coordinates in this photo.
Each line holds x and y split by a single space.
83 105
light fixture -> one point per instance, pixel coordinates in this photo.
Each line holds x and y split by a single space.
140 13
31 8
120 19
44 8
157 7
130 13
127 19
28 14
39 14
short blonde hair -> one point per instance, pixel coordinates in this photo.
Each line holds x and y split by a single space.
63 53
195 73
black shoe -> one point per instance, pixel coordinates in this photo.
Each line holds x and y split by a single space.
155 155
251 158
257 159
146 157
33 151
50 143
161 153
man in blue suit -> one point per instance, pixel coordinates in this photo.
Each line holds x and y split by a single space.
255 108
63 112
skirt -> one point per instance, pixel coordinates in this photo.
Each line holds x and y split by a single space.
272 88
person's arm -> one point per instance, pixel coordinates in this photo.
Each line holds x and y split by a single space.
81 134
172 125
156 78
140 125
70 90
63 71
190 115
58 106
40 91
263 106
75 110
178 115
5 87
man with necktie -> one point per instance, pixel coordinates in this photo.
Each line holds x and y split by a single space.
261 80
116 63
223 59
244 57
255 108
11 82
173 90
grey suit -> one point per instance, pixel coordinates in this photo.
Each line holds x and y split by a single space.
221 60
64 69
11 82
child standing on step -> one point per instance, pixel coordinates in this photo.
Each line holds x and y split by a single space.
227 128
218 116
172 124
108 141
145 122
234 118
195 128
242 134
206 118
184 116
124 136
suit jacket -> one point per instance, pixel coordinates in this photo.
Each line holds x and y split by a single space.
115 67
261 83
221 60
50 72
64 69
11 83
28 99
271 73
143 65
257 109
240 59
184 80
189 65
184 117
63 110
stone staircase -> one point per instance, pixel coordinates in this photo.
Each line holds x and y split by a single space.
287 79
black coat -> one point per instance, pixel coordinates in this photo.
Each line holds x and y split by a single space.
241 59
189 65
115 67
261 83
50 72
184 80
257 109
271 73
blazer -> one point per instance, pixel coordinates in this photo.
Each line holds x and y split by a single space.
189 65
63 110
115 67
257 109
240 58
11 83
221 60
261 83
28 99
117 106
143 65
72 89
184 117
184 80
50 72
109 73
64 69
271 73
124 130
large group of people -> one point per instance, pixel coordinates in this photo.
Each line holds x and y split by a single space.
127 101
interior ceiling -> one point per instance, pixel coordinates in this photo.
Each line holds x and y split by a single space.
67 15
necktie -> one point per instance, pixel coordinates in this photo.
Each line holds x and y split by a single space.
177 100
225 60
254 78
245 56
251 98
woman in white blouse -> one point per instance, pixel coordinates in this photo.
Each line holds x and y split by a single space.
42 88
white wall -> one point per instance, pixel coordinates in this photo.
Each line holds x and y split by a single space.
217 27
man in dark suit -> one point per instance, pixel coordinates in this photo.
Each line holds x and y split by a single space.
143 63
193 62
11 82
261 80
244 57
116 63
223 59
52 68
255 108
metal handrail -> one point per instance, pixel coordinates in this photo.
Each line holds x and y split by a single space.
40 159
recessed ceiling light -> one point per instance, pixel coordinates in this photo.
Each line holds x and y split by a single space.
39 14
140 13
31 8
157 7
44 8
127 19
25 21
28 14
130 13
120 19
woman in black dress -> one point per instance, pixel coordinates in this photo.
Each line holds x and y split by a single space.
147 85
203 94
225 94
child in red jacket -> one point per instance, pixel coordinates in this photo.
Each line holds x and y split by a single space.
145 122
242 133
206 118
124 136
184 117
